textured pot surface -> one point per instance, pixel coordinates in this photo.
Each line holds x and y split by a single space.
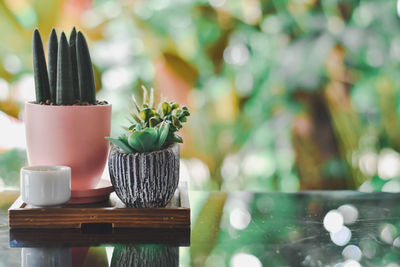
145 256
71 136
145 180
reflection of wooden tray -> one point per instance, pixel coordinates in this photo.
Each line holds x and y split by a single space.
79 238
112 214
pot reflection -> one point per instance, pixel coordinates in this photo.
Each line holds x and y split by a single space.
64 257
145 255
40 257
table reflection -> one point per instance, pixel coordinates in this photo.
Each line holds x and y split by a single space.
38 257
331 228
122 256
319 228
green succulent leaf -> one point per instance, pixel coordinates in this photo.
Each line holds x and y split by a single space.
176 122
145 96
154 121
138 127
174 106
144 140
177 139
151 98
159 109
136 117
146 114
121 144
166 109
163 130
185 113
124 138
137 106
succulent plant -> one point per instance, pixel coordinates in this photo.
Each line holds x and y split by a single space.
152 129
70 72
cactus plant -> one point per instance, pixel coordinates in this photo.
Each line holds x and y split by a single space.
152 129
69 79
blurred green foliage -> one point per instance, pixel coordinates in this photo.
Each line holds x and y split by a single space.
10 163
285 95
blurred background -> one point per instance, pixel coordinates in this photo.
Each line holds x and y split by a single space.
284 95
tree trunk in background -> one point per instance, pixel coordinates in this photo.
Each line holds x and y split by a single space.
345 120
315 145
330 129
387 103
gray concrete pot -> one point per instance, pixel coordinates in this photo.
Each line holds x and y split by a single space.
145 180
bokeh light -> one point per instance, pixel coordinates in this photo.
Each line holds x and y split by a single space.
349 213
387 233
333 221
352 252
341 237
239 218
244 259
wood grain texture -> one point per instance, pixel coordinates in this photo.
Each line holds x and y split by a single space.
113 212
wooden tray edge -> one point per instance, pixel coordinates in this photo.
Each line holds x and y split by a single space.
16 216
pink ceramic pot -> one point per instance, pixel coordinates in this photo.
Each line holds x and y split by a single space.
71 136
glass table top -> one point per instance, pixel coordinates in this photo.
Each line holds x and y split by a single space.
316 228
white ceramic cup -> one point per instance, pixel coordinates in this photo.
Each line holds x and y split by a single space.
43 186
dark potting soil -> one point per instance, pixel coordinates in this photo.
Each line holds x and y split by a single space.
78 103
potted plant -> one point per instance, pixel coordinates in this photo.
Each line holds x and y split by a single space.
144 161
66 125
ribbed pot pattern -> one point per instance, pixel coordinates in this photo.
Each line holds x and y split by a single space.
145 256
145 180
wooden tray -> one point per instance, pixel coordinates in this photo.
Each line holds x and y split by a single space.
109 214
